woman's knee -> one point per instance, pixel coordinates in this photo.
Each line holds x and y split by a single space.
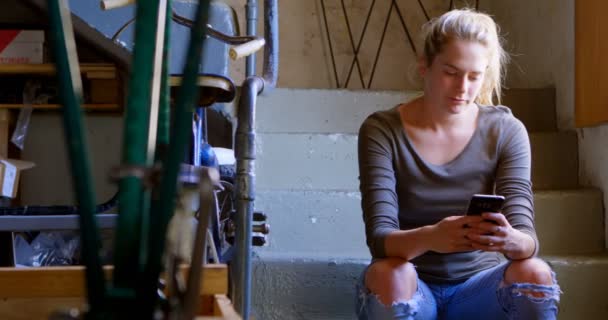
532 270
392 279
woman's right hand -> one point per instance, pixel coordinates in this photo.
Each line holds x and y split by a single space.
450 234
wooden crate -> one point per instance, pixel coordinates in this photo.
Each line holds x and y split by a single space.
34 293
102 85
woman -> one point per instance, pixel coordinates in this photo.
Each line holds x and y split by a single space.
419 165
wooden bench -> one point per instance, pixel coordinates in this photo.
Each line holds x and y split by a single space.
34 293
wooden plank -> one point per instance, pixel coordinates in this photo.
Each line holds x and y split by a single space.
86 106
100 75
55 282
49 68
223 308
591 49
103 91
217 307
28 309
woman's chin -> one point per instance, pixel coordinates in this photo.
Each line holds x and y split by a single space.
457 108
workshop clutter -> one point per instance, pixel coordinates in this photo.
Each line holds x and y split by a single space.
21 46
10 172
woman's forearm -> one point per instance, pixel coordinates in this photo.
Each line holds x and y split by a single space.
522 247
408 244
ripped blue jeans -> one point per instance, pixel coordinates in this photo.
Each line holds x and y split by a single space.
483 296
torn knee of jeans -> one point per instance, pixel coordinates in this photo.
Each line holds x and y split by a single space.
535 292
401 308
405 308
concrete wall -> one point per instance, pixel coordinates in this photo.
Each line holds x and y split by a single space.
305 48
540 38
539 34
593 162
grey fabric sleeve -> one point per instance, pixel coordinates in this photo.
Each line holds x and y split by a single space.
513 178
377 184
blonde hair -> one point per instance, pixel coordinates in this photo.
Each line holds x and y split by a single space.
466 24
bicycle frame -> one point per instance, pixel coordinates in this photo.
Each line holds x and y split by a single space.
145 214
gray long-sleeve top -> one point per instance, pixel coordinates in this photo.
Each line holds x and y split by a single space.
400 190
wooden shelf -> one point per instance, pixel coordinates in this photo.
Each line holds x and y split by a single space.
88 107
102 85
90 70
53 288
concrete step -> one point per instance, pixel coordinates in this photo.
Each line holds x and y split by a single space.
304 289
570 221
534 107
329 161
325 288
554 160
583 280
306 223
343 111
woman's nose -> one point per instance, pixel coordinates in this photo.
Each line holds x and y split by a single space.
462 84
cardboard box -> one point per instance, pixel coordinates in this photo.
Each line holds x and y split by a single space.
21 46
10 171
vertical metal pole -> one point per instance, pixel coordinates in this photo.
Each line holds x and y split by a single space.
252 20
66 60
162 207
245 184
164 110
198 136
134 148
158 77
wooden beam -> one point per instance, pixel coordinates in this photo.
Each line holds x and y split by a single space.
591 50
49 68
223 307
36 308
86 106
60 282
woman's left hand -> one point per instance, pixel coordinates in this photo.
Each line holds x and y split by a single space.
495 233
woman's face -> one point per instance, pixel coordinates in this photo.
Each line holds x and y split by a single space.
453 80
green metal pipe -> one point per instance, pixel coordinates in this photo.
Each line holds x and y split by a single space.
162 133
164 201
159 78
66 60
134 149
162 129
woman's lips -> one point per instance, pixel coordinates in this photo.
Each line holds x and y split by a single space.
458 100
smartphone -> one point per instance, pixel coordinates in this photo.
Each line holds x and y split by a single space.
481 203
